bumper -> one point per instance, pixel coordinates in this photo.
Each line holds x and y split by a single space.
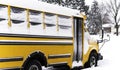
11 69
100 57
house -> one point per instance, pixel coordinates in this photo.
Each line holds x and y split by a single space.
108 28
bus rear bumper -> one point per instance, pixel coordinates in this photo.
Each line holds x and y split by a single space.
10 68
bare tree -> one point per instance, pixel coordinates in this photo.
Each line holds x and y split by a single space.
104 15
114 10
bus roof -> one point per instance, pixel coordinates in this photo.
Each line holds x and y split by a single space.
41 6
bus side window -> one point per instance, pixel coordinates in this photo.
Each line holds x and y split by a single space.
17 15
3 19
18 20
35 20
65 25
3 13
50 23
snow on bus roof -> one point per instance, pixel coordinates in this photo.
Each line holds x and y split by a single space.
41 6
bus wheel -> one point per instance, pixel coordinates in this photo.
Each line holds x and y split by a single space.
33 65
92 62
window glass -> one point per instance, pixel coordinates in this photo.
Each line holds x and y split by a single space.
2 6
3 13
17 10
18 15
65 25
35 17
36 20
64 22
4 19
33 12
18 20
50 22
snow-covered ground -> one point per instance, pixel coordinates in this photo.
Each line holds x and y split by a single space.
111 55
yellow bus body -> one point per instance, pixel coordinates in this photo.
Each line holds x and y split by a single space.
13 51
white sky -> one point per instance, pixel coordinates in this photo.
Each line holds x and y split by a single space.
89 2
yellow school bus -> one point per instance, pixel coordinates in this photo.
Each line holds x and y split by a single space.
35 34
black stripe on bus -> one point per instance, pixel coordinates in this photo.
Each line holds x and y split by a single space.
59 56
34 36
1 19
58 64
11 59
34 43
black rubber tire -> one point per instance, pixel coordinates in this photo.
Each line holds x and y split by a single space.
33 65
86 65
92 57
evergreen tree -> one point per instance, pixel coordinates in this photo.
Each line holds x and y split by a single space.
94 18
74 4
59 2
77 4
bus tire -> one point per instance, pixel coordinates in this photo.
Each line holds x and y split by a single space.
92 62
33 65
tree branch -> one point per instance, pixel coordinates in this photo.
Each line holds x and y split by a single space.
113 6
119 6
118 20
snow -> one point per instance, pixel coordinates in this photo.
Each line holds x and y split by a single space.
18 16
86 42
88 2
3 11
35 17
65 26
50 19
107 25
3 26
76 64
111 57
